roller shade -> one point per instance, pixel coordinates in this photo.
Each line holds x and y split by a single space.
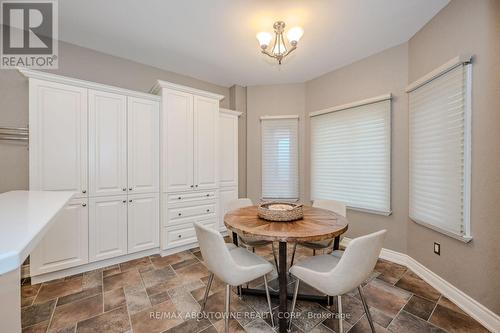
351 155
280 171
439 145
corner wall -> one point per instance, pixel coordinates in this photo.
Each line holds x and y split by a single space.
468 27
272 100
382 73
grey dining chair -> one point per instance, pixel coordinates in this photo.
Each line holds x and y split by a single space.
248 241
232 265
342 271
336 207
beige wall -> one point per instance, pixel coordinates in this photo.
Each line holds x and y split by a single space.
383 73
81 63
468 27
272 100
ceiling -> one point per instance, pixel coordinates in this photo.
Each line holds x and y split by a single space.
215 40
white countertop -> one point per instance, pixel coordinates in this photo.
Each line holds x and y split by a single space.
25 216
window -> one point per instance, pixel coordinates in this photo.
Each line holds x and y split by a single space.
280 171
440 150
351 154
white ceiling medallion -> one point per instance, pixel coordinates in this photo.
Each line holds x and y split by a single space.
279 49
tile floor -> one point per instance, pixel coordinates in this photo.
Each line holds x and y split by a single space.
138 296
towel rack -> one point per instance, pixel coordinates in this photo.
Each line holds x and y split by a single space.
14 134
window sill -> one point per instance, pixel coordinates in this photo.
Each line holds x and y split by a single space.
370 211
462 238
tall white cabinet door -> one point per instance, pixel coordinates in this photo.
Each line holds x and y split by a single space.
206 121
178 132
143 145
226 195
107 227
58 137
228 150
107 143
65 244
143 222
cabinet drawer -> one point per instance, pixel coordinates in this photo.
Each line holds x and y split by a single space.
191 211
185 234
186 197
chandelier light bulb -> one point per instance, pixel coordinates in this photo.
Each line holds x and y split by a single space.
276 45
264 39
294 34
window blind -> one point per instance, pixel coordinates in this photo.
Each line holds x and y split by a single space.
351 156
438 148
280 171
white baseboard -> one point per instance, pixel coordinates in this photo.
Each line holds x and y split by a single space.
91 266
476 310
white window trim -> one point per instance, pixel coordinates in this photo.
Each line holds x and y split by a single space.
453 63
346 106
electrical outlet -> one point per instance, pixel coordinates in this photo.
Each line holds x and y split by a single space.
437 248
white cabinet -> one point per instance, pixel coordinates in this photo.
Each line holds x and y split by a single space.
228 148
177 141
189 140
228 161
58 137
65 244
107 143
206 121
103 143
143 222
143 145
107 227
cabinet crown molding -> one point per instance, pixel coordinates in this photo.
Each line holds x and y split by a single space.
230 112
34 74
164 84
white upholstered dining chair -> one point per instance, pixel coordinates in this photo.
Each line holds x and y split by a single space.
332 205
342 271
247 241
232 265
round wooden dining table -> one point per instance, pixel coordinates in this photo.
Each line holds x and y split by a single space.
318 224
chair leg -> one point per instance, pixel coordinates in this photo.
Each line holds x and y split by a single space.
367 310
269 301
294 301
314 252
339 306
293 253
275 259
207 290
227 308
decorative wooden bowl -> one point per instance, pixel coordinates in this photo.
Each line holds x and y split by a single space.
280 211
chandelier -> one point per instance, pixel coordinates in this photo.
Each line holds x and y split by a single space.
279 49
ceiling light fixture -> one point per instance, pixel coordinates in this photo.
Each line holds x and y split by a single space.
279 48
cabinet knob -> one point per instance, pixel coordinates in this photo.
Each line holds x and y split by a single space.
84 204
179 198
208 210
208 195
196 185
179 236
130 201
124 189
84 191
124 201
180 214
130 188
192 186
